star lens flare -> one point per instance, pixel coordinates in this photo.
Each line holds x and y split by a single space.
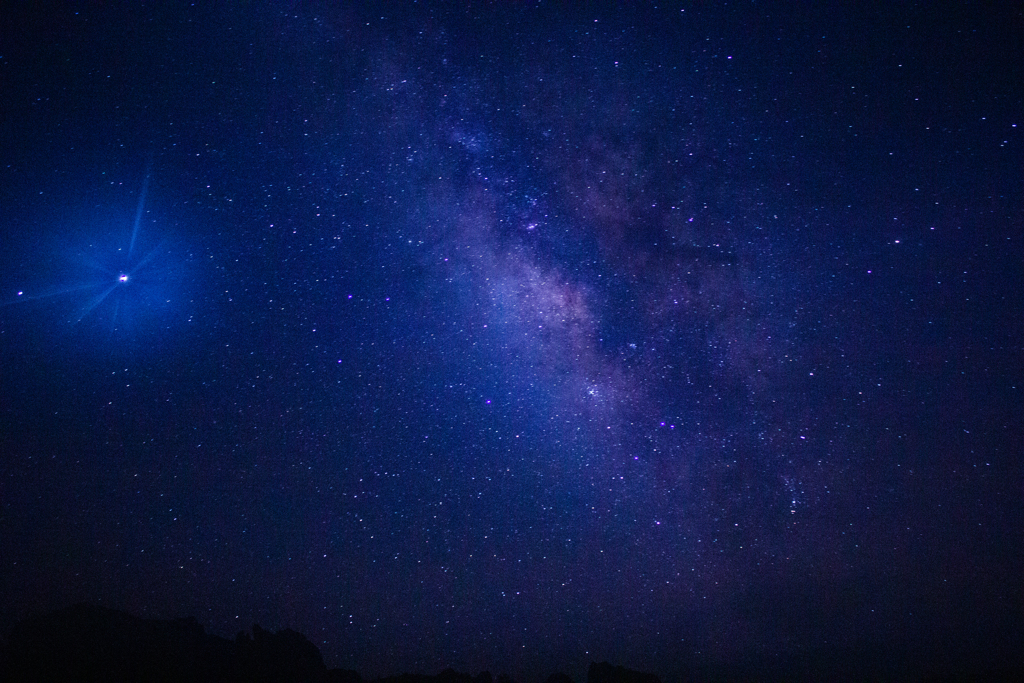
110 284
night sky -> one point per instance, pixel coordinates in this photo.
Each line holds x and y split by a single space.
513 336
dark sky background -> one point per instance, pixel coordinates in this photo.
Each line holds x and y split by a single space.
519 336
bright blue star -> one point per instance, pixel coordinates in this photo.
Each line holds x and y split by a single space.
112 285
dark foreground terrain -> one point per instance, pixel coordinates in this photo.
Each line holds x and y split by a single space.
87 643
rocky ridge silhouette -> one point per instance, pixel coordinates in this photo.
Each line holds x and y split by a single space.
88 643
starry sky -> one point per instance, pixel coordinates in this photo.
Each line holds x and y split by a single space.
515 336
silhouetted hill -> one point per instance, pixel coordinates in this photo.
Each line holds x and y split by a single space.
90 643
87 643
606 673
558 678
446 676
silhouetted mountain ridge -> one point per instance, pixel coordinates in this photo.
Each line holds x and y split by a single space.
89 643
93 643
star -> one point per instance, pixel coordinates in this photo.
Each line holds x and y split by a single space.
105 283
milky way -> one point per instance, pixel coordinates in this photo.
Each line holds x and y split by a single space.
513 337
